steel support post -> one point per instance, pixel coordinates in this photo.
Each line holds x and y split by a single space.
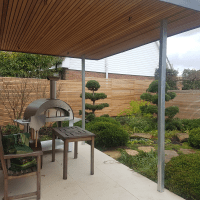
161 105
83 92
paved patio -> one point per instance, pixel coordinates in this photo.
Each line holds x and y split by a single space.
111 180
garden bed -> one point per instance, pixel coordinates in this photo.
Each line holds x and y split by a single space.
127 140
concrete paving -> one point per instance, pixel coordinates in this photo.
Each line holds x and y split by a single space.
111 180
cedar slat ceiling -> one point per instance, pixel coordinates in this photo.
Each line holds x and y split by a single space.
94 28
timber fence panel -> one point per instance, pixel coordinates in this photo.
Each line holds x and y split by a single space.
188 102
119 94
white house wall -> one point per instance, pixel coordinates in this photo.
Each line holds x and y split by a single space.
140 61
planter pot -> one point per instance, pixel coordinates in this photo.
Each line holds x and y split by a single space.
47 145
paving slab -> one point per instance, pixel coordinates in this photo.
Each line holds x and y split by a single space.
141 135
111 180
169 154
114 154
183 137
146 148
187 151
132 152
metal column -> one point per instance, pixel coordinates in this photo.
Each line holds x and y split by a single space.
161 105
83 92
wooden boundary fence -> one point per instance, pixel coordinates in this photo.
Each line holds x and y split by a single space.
119 93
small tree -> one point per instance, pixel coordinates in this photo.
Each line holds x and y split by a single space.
170 112
171 77
16 93
14 64
93 86
191 79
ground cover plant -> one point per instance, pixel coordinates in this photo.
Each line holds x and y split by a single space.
144 163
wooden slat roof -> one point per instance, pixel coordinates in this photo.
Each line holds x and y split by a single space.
94 28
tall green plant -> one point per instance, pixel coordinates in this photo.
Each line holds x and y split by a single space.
191 79
27 65
171 77
93 86
134 108
170 112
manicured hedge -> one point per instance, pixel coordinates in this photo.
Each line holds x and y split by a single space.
182 176
108 134
194 138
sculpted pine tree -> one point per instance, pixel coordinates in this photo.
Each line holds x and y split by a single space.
93 86
170 112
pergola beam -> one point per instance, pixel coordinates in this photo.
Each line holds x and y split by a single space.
161 105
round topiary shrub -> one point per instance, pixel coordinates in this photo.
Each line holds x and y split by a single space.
93 85
90 117
173 124
182 176
108 134
194 138
171 111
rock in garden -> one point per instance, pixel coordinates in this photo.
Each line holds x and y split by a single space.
132 152
187 151
113 154
146 149
169 154
141 135
183 137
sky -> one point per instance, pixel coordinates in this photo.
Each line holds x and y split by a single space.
183 50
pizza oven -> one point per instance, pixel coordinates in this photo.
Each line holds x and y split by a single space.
41 111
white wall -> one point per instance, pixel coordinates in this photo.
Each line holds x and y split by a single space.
139 61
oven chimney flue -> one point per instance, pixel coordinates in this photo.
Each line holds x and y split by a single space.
53 86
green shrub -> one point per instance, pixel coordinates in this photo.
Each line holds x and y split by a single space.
105 115
95 96
144 163
79 123
172 94
90 117
10 129
171 111
194 138
142 141
142 124
66 124
153 109
146 97
134 108
108 134
124 120
106 119
149 109
153 87
182 176
173 124
189 124
93 85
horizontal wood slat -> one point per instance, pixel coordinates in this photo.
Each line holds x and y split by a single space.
119 93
